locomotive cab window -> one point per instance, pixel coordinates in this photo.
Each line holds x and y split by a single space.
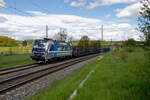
51 48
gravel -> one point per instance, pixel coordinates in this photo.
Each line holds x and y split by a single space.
29 89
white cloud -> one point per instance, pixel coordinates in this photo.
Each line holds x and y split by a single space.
36 13
122 31
98 3
2 4
107 16
22 27
78 3
117 10
25 27
129 11
2 19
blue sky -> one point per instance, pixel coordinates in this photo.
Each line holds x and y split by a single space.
60 7
77 16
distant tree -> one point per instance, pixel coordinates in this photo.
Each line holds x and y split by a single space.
70 40
84 41
144 21
95 43
98 42
29 42
61 35
130 42
7 42
24 43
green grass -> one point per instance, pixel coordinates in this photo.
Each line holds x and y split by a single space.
15 49
61 89
119 79
114 79
14 60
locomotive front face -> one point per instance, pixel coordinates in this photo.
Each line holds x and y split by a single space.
39 49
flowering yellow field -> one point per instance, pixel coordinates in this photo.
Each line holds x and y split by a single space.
15 49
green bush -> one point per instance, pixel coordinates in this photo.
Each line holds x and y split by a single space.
130 49
117 49
7 42
130 42
123 55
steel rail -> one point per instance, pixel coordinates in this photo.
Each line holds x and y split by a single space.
9 68
38 74
18 68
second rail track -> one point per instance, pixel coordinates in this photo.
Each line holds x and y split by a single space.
19 80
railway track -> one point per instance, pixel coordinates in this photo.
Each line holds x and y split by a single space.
10 83
18 68
22 67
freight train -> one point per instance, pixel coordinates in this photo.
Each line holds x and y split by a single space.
47 49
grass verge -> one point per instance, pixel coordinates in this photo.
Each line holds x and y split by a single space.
14 60
62 89
117 77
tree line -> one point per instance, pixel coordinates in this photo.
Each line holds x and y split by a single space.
144 21
7 42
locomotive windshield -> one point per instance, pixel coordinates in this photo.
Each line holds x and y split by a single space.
40 44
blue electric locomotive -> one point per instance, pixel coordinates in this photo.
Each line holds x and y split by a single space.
47 49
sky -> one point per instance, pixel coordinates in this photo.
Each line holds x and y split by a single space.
27 19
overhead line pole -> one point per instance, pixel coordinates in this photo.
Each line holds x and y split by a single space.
46 31
102 32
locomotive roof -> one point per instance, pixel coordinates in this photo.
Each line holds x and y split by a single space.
61 43
56 42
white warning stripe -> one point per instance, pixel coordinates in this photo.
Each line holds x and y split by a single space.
80 85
